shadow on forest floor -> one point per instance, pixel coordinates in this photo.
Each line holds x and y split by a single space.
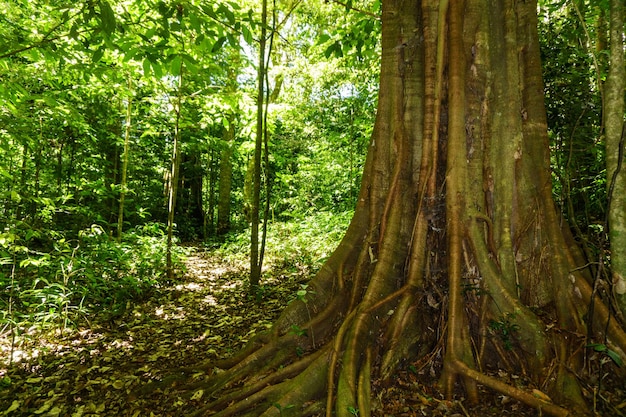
203 315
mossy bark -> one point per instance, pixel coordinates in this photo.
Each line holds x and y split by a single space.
455 237
613 109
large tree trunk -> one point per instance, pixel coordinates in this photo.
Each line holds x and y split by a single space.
454 234
614 132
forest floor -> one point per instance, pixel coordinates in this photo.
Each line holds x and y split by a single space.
120 365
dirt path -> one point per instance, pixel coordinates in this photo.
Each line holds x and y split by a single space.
96 371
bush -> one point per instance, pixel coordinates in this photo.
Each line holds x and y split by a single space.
93 273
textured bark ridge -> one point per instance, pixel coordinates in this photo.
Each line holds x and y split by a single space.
455 246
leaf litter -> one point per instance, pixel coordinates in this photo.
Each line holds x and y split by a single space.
203 315
121 365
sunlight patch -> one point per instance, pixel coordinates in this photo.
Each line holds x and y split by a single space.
191 286
210 300
219 271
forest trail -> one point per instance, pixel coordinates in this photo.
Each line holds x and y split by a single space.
117 366
202 315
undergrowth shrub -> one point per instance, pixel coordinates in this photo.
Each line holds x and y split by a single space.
58 285
303 241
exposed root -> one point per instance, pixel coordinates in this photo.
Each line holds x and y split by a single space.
276 394
365 385
273 378
529 399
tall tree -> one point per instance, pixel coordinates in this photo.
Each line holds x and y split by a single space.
228 146
614 132
455 233
226 178
124 183
174 170
255 259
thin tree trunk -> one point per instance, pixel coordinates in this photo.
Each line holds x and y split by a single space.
174 174
59 168
22 190
209 218
225 179
196 194
255 264
266 149
125 157
37 184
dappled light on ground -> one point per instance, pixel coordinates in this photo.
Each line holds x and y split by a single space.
100 370
126 365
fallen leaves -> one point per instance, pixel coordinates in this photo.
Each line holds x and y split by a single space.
97 371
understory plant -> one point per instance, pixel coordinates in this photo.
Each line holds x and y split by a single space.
301 242
50 282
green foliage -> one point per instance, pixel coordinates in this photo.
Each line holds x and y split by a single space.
296 243
296 330
505 328
57 284
303 292
353 410
574 107
611 354
282 409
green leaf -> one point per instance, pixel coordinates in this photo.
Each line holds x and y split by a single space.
107 17
614 356
323 38
146 67
227 12
97 55
6 174
334 49
190 64
195 22
218 45
175 66
601 347
247 35
209 11
598 347
232 40
157 68
234 5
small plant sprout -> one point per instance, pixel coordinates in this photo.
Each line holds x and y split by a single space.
282 409
298 331
505 328
354 411
302 293
602 348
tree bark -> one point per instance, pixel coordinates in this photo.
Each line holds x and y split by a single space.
125 157
455 250
613 110
225 179
255 260
209 216
173 177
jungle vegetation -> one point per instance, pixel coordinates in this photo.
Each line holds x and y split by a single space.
449 171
